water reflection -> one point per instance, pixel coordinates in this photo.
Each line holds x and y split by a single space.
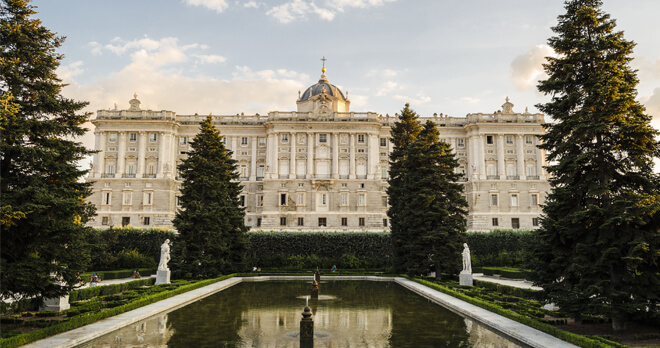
267 314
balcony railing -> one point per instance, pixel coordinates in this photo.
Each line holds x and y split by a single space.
513 177
128 175
533 177
149 176
492 177
108 175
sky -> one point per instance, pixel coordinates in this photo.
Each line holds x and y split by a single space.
228 56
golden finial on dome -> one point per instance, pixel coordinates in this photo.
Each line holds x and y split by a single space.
323 69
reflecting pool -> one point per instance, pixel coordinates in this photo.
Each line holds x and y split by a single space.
347 314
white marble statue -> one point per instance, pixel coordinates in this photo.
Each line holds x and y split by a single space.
164 255
467 261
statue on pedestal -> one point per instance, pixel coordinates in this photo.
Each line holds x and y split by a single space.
467 261
164 255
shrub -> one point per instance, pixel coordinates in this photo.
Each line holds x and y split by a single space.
133 259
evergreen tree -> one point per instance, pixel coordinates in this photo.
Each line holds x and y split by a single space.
403 133
43 199
598 247
210 223
435 218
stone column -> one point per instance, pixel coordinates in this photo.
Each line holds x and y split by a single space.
99 158
374 159
160 168
167 162
310 155
540 157
520 157
500 157
481 167
292 159
121 153
234 147
271 159
276 156
352 156
253 160
335 156
473 157
142 147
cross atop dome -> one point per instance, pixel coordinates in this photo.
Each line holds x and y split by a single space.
323 77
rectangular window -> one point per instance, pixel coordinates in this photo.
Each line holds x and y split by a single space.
460 142
344 221
383 141
105 221
360 138
112 137
361 221
301 221
132 137
282 221
244 141
384 222
534 199
125 221
301 199
384 198
178 201
146 198
106 198
241 200
153 137
260 200
262 141
489 140
283 199
110 169
344 199
362 199
243 171
258 222
260 171
493 200
535 221
529 140
496 222
183 140
514 200
515 223
322 222
128 197
285 138
323 138
146 221
323 198
509 139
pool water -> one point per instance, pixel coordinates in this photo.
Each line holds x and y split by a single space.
347 314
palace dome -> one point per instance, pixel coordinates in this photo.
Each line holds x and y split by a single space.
320 87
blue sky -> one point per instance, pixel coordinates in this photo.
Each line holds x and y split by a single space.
227 56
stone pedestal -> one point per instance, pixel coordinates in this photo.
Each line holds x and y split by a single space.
163 277
317 276
56 304
465 279
306 325
315 290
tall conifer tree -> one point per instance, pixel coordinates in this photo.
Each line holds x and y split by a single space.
210 223
403 133
435 214
598 248
43 200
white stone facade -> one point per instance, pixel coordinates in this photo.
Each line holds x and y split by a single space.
321 167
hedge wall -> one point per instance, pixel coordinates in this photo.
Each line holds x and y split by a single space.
126 247
500 248
294 249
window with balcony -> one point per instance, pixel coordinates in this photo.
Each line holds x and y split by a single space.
322 222
383 141
153 137
360 138
323 138
132 137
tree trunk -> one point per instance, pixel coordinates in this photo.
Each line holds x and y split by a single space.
438 275
618 321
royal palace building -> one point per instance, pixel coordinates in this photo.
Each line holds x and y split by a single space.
322 167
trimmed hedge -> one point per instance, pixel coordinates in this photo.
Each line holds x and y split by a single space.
117 247
93 291
79 321
578 340
512 273
354 249
500 247
118 274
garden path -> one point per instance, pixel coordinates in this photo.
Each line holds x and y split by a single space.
518 283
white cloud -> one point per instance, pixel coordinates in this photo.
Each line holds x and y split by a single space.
527 69
251 4
388 73
420 98
387 88
216 5
68 72
210 58
327 10
470 100
652 104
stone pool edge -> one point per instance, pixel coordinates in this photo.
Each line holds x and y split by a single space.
507 327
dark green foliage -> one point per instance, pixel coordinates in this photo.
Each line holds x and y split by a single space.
43 201
428 213
506 272
403 133
210 223
301 249
598 249
500 248
114 248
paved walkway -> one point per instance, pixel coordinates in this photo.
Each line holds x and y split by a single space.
523 284
117 281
